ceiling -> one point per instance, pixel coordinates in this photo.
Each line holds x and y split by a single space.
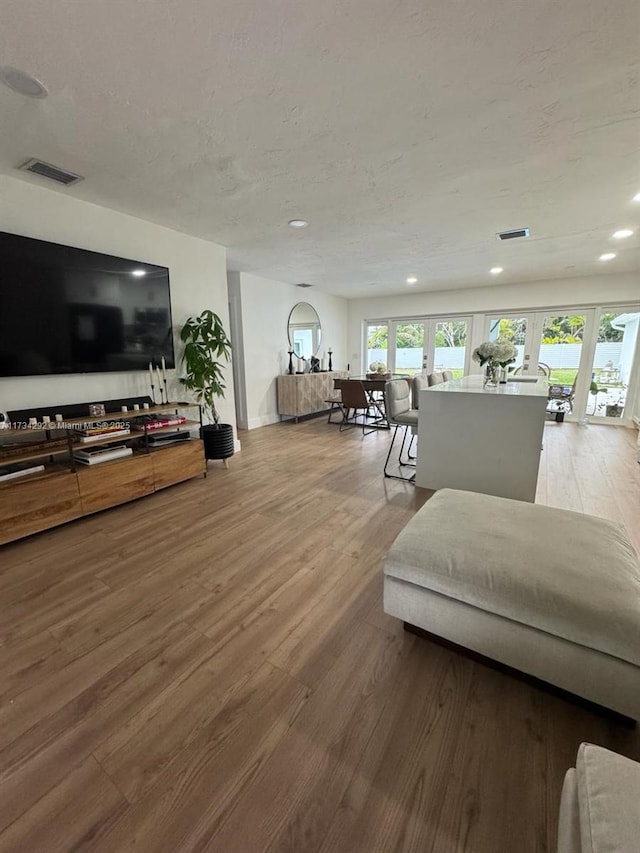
407 133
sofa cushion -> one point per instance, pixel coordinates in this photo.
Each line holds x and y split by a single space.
569 820
609 801
572 575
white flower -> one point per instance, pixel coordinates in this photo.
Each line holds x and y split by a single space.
504 351
501 351
484 352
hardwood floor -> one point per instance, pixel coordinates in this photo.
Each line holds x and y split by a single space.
209 670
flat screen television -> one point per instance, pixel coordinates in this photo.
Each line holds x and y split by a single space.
67 310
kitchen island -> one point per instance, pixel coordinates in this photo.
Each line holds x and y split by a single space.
482 439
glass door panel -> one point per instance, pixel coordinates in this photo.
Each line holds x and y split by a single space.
513 329
445 345
561 347
612 363
377 345
409 350
450 351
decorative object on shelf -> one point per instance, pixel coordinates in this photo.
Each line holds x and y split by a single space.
162 400
493 356
4 420
164 380
314 364
96 410
206 341
153 387
330 354
291 371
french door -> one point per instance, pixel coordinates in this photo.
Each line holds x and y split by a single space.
591 353
419 345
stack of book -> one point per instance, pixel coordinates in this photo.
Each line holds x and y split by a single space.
159 421
19 469
89 433
103 453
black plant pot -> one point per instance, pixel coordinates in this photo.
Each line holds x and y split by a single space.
218 441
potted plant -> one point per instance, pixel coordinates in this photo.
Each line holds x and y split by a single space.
205 342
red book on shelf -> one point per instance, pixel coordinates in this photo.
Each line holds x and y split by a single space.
160 422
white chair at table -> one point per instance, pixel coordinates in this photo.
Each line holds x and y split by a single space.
401 416
435 378
447 375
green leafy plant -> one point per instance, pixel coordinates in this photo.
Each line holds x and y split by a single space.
205 341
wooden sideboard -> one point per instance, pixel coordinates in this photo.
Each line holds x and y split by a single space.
302 394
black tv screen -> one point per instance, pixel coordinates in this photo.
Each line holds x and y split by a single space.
66 310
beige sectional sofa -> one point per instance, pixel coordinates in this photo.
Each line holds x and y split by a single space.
600 806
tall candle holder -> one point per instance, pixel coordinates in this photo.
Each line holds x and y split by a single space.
291 370
166 392
330 353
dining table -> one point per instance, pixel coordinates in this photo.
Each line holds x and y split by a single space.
374 390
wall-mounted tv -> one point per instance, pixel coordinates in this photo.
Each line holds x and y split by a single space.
66 310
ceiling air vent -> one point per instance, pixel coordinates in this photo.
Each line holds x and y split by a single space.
46 170
513 235
302 284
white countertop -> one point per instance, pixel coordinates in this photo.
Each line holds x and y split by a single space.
513 388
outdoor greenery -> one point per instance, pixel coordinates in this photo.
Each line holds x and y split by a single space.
606 332
451 333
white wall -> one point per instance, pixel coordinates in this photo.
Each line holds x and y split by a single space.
198 280
263 307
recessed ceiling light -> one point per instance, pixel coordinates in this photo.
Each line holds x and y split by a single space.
608 256
636 197
24 84
412 280
622 234
138 273
496 270
298 223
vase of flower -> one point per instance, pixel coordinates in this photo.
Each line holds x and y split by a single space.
491 373
494 356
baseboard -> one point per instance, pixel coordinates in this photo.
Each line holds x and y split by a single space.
263 420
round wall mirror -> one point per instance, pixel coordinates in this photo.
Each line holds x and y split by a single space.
304 330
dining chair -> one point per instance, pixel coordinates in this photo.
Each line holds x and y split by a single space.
354 399
334 401
435 378
420 383
400 415
447 375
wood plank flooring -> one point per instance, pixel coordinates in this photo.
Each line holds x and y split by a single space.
209 670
